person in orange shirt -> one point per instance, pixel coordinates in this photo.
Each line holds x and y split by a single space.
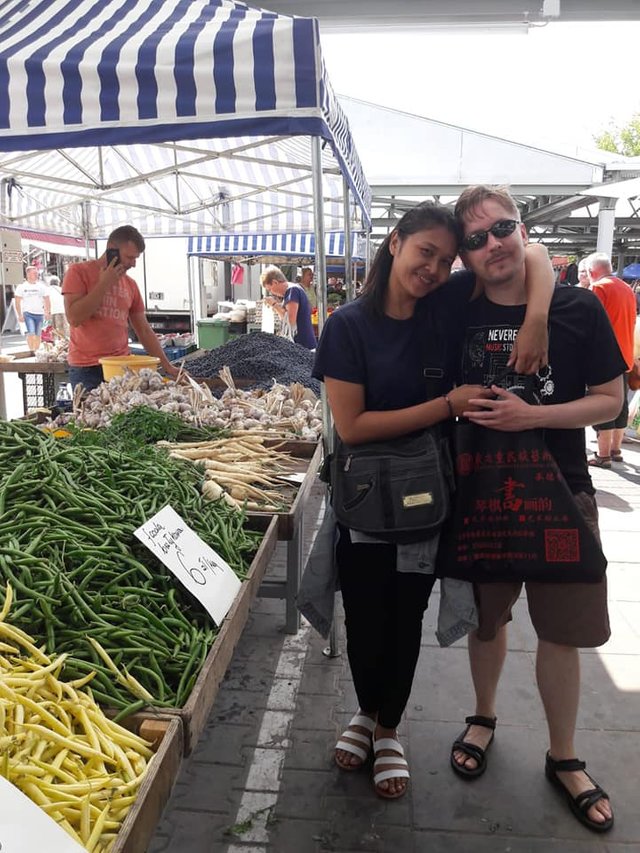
100 301
620 304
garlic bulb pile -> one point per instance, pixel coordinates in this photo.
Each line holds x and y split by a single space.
292 411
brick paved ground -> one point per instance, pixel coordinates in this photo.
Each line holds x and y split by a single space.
244 790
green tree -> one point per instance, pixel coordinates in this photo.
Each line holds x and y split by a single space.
623 139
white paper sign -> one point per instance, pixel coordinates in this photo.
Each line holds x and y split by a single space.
298 479
25 827
204 573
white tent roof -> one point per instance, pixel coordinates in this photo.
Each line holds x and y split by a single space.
178 116
401 149
408 158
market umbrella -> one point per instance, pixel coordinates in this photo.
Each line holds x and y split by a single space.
632 271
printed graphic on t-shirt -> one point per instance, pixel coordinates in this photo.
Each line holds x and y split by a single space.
115 304
487 350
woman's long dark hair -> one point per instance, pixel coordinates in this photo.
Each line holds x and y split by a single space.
420 218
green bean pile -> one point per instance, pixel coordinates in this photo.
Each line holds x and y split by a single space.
67 516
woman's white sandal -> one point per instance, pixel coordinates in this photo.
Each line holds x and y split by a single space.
390 761
361 752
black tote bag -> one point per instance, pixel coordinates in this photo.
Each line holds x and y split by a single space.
514 517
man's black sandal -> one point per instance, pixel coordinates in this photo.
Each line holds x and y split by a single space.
471 750
580 804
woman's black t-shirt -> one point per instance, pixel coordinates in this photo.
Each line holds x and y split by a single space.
400 363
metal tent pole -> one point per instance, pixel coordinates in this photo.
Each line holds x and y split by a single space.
86 227
320 269
321 297
192 301
348 254
367 253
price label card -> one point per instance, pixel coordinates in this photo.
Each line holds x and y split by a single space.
204 573
25 827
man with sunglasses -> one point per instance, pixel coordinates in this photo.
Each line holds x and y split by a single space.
582 354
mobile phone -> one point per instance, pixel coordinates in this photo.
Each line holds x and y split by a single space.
111 255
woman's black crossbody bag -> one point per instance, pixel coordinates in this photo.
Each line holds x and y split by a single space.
397 490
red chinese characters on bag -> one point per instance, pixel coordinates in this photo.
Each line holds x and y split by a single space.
514 517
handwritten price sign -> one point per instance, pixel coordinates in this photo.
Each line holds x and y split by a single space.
204 573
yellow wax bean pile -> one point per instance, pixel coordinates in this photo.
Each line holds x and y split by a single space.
57 746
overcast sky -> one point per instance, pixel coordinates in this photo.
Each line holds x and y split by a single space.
553 88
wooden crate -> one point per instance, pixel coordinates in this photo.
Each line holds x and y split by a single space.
198 706
307 456
196 710
140 824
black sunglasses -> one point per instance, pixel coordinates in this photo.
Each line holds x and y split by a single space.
501 228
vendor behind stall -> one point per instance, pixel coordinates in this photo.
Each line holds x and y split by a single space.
294 307
100 302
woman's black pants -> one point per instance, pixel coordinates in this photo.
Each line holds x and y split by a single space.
383 609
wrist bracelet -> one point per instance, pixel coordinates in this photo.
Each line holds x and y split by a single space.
445 397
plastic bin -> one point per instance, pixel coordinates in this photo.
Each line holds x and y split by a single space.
117 364
174 353
212 334
39 389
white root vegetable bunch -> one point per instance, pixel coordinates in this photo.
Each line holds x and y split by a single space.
241 470
290 411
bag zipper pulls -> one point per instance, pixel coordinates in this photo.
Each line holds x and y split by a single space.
347 464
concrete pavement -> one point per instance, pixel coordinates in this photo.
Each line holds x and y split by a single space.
262 777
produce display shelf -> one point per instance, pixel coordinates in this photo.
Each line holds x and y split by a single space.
290 524
141 822
196 710
308 458
39 379
24 362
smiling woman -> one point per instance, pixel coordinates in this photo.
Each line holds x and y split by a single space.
422 262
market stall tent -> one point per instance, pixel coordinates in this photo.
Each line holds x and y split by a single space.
273 248
179 116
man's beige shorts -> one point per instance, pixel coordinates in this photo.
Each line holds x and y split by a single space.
571 614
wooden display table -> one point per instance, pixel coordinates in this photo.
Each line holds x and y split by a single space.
308 458
196 710
141 822
39 379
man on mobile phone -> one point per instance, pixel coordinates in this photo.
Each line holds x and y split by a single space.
100 301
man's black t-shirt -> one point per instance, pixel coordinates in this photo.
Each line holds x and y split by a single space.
582 351
400 363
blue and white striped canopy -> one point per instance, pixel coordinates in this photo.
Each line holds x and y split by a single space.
181 116
299 246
